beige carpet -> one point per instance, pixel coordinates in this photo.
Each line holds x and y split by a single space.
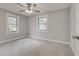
34 47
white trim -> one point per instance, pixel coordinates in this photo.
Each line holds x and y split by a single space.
68 43
38 24
53 40
18 38
73 49
9 14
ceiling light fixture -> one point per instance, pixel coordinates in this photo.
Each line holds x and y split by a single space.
27 11
30 12
29 8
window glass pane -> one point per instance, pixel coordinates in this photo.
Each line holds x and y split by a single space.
12 24
42 27
12 28
42 23
42 20
12 20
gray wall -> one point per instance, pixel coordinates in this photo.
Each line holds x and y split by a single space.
73 26
23 27
58 26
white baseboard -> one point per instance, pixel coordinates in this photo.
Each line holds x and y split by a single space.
73 49
68 43
5 41
63 42
50 40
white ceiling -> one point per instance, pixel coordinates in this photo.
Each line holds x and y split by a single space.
43 7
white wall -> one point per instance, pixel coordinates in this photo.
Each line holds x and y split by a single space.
23 26
58 26
73 26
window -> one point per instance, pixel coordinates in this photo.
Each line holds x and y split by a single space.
12 22
42 23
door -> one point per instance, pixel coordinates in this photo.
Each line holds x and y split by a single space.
74 28
77 29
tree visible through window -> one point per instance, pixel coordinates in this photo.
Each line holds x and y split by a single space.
42 23
12 24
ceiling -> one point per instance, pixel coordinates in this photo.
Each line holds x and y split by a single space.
43 7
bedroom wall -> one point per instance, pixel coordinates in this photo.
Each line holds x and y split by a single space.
73 27
23 27
58 26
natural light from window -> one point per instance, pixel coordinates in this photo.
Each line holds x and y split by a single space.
42 23
12 24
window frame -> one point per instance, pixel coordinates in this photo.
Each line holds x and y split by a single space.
17 23
37 25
